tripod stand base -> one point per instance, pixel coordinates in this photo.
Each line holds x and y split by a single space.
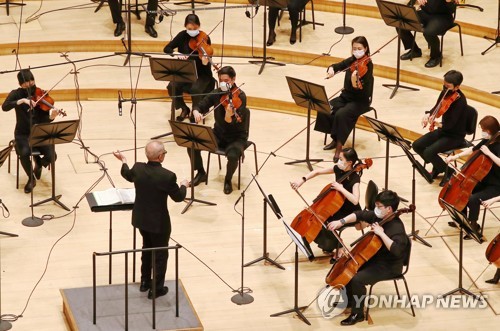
55 199
4 325
297 310
9 234
344 30
263 63
396 86
242 298
308 161
191 200
265 258
461 290
496 41
32 221
415 236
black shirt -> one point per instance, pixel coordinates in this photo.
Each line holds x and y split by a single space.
348 207
23 112
394 229
181 42
493 177
349 92
454 120
435 7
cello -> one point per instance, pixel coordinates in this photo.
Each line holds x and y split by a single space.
308 222
459 188
367 246
493 251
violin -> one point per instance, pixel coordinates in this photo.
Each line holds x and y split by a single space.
442 106
459 188
308 222
45 102
367 246
200 44
361 67
232 99
493 251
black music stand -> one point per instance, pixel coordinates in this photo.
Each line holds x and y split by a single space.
197 137
267 3
313 97
464 225
175 71
192 2
344 29
53 134
7 3
401 17
496 40
297 239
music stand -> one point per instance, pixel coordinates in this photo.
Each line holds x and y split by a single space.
52 134
197 137
275 3
463 223
402 17
495 40
313 97
7 3
175 71
344 29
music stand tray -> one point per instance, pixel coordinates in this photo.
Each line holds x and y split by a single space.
175 71
313 97
197 137
403 17
53 134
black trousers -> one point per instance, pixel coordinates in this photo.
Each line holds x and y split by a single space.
202 85
480 193
152 240
434 25
342 119
294 9
23 150
431 144
115 6
369 274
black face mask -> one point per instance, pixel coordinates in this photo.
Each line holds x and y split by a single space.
31 90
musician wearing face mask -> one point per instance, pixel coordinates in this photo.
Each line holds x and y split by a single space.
354 99
349 189
450 132
115 6
205 82
27 115
230 126
489 187
387 262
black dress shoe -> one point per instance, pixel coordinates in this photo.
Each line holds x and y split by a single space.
446 178
495 278
353 319
452 224
293 36
37 171
145 285
435 173
161 292
411 54
200 177
228 187
184 114
30 185
271 38
151 31
120 27
433 62
330 146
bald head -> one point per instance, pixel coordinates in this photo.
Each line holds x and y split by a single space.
154 150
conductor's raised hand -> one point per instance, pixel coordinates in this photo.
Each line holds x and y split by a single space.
185 183
120 156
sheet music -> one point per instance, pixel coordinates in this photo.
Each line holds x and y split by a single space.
297 239
114 196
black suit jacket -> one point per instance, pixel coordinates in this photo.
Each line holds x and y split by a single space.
153 185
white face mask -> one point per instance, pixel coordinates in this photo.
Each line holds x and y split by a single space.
485 135
358 54
379 213
224 86
193 33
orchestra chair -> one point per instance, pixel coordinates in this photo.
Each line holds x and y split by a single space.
8 150
12 143
302 18
406 265
220 152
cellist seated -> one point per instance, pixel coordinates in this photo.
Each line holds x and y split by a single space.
388 260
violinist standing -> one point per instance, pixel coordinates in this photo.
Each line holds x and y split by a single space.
450 133
387 262
28 114
349 189
230 128
354 99
115 6
489 187
205 82
436 17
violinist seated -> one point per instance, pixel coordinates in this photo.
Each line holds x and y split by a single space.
294 8
349 188
489 187
230 128
387 261
115 6
450 133
28 113
206 81
354 99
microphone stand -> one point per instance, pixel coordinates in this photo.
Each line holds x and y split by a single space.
344 29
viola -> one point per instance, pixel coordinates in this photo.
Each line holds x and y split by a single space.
459 188
361 67
308 222
442 106
493 251
232 99
45 102
204 49
367 246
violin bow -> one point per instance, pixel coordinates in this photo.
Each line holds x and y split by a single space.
208 35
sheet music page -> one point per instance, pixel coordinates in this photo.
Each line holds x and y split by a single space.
127 195
107 197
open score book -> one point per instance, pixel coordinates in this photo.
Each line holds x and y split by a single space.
114 196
